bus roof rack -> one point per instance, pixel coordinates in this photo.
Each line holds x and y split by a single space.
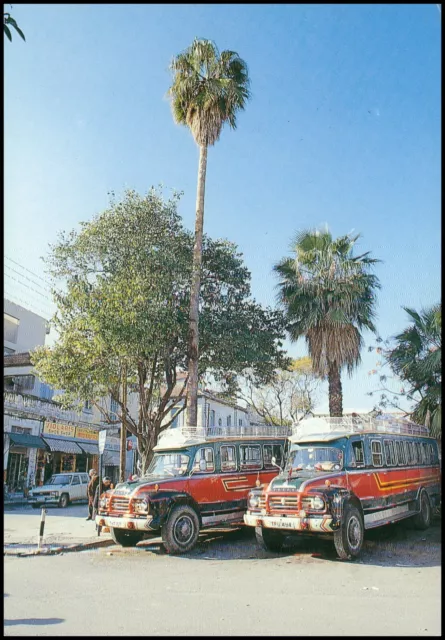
385 423
194 434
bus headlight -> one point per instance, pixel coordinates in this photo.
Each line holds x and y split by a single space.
253 501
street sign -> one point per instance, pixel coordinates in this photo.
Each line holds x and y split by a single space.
102 440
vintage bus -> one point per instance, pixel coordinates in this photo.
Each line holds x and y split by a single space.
345 475
198 478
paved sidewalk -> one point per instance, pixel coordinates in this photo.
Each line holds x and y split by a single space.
65 529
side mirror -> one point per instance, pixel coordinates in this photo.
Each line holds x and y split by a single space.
202 465
274 462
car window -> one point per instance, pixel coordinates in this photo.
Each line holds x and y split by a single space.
76 480
84 478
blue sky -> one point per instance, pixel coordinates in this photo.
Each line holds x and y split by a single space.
343 128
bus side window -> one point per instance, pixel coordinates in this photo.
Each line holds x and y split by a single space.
376 453
358 454
400 450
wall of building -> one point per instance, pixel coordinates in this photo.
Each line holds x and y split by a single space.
31 330
222 412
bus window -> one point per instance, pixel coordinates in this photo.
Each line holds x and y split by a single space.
389 453
400 451
358 453
376 453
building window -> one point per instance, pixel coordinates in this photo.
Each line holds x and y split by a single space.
269 451
174 415
19 383
376 453
219 422
240 422
229 421
88 407
46 391
114 408
250 457
228 458
212 418
15 429
7 351
204 462
10 328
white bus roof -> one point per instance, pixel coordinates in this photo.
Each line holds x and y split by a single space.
187 436
328 428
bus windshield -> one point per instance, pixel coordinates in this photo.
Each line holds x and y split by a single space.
167 465
314 458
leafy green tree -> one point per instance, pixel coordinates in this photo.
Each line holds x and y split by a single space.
417 360
8 21
329 297
122 289
207 91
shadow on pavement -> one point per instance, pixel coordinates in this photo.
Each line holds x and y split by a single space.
36 621
395 545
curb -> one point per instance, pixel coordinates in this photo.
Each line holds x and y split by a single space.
81 546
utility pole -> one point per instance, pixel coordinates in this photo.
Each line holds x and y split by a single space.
123 455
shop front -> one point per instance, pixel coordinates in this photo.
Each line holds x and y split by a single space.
71 449
23 448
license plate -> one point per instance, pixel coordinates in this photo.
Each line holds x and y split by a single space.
281 524
116 522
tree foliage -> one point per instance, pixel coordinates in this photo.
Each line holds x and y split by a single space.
208 90
329 297
8 21
287 398
122 302
415 357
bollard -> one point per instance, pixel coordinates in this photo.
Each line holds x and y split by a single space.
42 527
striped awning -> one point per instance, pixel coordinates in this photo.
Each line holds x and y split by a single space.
111 458
89 448
64 446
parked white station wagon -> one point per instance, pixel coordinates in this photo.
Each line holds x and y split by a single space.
61 489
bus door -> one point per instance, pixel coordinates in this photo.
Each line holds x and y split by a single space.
359 475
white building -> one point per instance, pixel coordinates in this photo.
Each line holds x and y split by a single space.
40 437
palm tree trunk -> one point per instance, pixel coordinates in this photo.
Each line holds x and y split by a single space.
335 391
193 344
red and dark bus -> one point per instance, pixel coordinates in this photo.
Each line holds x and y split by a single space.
345 475
198 478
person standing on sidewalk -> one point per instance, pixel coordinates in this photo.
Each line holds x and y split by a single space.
106 486
91 491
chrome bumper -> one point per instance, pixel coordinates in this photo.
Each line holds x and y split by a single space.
320 524
132 524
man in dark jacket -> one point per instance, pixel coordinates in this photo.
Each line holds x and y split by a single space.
106 485
91 491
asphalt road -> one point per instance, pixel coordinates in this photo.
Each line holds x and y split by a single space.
227 586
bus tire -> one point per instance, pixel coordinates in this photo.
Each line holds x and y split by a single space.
181 530
126 538
422 520
348 539
269 539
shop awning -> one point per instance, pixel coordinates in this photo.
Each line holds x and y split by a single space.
64 446
26 440
89 448
111 458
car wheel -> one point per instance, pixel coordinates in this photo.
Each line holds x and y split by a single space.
348 539
269 539
64 500
423 519
180 532
126 538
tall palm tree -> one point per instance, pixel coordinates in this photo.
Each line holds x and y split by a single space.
208 90
417 359
329 297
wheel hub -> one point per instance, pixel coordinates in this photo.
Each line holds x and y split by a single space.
183 529
354 532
